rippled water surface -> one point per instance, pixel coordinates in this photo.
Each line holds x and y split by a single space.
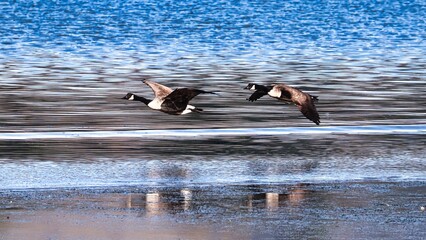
65 65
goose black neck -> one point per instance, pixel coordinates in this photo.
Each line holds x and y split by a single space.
141 99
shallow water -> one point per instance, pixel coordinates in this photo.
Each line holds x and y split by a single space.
368 210
64 67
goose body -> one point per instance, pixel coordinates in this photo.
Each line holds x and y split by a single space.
304 101
167 100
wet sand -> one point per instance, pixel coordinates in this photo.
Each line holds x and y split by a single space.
357 210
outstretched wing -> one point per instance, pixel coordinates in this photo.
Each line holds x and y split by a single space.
309 110
159 90
179 98
256 95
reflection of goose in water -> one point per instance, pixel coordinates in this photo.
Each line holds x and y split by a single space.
272 201
159 202
187 198
304 101
153 203
175 102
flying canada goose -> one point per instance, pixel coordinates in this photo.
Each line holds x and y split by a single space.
174 102
304 101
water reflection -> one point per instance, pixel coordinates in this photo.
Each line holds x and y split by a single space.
187 198
174 201
272 201
336 211
153 204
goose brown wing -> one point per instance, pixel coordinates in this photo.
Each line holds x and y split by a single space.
159 90
256 95
179 98
309 110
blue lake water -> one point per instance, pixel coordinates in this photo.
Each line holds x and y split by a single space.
65 65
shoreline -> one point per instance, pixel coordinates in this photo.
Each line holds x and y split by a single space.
348 210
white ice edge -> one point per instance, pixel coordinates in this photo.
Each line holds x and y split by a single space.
370 129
